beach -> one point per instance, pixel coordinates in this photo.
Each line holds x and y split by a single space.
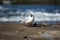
17 31
32 20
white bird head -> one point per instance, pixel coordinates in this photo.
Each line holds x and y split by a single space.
31 15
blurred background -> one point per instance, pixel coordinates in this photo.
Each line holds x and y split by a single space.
16 10
55 2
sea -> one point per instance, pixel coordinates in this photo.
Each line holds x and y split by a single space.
42 13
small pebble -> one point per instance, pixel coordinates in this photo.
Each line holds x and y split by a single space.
25 37
16 31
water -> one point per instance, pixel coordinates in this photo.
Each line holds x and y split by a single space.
14 13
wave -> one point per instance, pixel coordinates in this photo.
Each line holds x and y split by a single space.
39 16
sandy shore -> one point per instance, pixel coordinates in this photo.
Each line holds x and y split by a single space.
16 31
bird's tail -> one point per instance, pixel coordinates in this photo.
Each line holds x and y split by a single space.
19 21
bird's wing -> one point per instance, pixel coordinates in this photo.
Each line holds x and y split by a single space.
23 20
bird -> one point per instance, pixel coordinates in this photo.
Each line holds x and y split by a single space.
27 20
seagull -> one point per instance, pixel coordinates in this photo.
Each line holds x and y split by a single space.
28 19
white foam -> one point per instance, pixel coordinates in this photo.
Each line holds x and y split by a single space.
39 16
13 18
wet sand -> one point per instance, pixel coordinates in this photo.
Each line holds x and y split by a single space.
17 31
